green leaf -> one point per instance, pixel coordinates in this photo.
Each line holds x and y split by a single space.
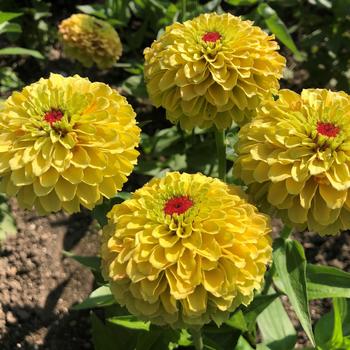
184 338
344 308
21 51
322 3
243 344
129 321
165 138
237 321
275 326
290 262
95 10
264 347
92 262
135 86
328 330
241 2
7 222
220 338
110 337
7 16
7 27
327 282
100 297
100 211
277 27
148 341
256 307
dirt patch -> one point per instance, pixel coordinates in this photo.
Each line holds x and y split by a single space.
39 285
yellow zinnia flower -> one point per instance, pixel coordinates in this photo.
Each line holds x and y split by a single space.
184 250
90 40
66 142
295 157
211 70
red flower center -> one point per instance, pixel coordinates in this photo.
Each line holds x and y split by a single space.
177 205
53 116
327 129
211 37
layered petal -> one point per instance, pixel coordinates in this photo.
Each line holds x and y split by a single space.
295 157
90 40
212 70
184 250
66 141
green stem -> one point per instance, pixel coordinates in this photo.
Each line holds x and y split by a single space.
221 152
122 65
268 279
183 10
197 338
250 339
286 232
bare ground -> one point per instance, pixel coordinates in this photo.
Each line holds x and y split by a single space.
39 285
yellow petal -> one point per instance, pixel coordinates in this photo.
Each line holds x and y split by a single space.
49 178
73 174
197 301
50 202
87 194
333 198
65 190
277 193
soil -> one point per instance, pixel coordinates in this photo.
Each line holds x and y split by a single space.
38 285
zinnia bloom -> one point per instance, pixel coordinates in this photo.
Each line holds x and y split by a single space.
66 142
184 250
295 157
211 70
90 40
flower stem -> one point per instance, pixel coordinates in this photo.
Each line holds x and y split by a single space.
197 338
268 279
286 232
122 65
183 10
221 151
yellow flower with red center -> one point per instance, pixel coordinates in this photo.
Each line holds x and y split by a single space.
66 142
90 40
295 157
184 250
212 70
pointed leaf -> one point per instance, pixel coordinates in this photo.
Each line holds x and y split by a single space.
243 344
328 330
327 282
130 321
237 320
275 326
21 51
277 27
344 308
241 2
109 337
256 307
100 297
7 16
289 259
92 262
